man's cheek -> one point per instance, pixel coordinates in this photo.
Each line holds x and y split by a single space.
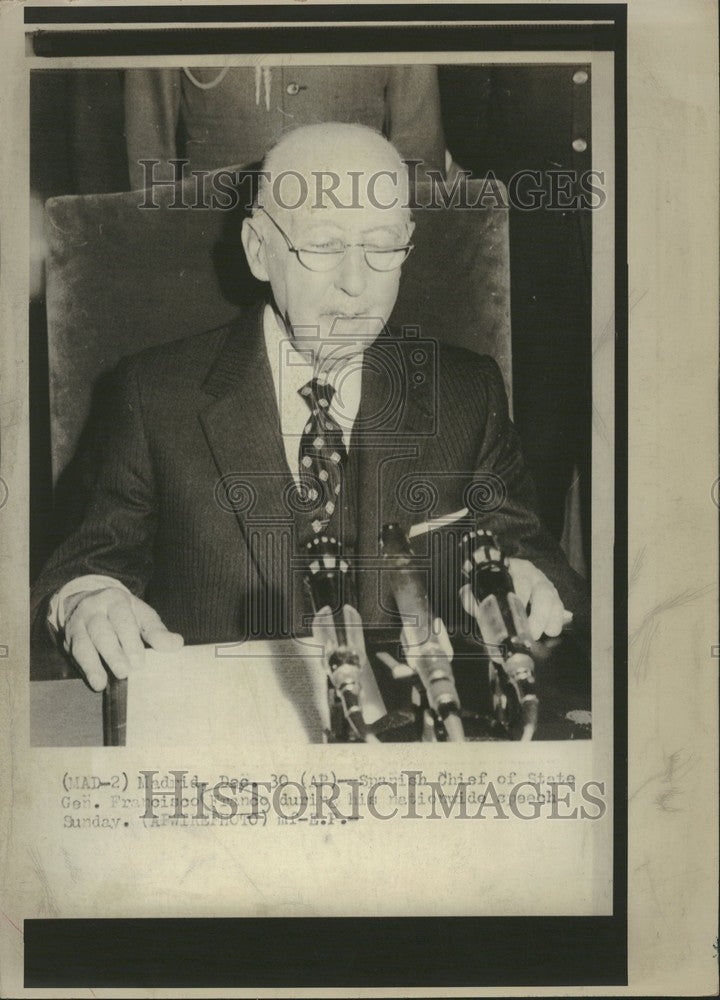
305 300
390 293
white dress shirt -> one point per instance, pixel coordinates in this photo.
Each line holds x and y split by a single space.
290 370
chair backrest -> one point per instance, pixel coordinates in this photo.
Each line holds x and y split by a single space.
121 278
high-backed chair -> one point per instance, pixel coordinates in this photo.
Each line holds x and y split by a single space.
121 277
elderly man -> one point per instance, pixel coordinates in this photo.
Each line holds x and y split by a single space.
230 450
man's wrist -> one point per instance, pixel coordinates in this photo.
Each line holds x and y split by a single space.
58 611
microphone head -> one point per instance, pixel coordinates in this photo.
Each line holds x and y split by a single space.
480 549
324 555
394 542
327 574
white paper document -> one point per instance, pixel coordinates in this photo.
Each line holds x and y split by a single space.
229 695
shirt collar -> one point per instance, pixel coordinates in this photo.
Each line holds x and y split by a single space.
291 370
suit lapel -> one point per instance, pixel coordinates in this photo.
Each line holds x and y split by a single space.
242 428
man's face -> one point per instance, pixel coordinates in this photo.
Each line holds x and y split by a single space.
341 310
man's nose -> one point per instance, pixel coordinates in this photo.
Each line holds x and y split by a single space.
351 275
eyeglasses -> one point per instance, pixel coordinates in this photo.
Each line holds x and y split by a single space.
331 253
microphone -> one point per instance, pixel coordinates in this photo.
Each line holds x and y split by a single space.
333 601
488 596
423 649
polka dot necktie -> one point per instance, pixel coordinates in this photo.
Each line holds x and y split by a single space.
322 455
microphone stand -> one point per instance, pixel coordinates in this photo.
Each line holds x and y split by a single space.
489 597
423 649
334 619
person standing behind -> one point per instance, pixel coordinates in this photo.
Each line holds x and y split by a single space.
530 126
222 116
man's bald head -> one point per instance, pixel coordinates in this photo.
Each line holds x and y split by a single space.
330 232
333 165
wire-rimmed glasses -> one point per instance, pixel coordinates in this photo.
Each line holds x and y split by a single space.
332 252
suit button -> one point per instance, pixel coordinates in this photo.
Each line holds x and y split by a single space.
580 76
292 89
579 145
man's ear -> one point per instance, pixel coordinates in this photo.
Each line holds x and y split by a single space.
255 250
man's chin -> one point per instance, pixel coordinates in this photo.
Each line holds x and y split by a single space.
339 337
354 332
337 350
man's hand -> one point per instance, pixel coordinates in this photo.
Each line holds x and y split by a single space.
547 614
110 627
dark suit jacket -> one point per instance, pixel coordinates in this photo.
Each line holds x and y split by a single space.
190 509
